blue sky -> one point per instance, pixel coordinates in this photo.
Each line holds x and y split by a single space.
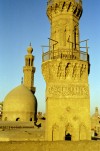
25 21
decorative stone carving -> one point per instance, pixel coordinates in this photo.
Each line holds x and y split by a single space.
65 71
68 109
69 70
76 71
62 6
70 90
83 71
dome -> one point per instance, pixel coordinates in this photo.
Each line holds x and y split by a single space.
19 104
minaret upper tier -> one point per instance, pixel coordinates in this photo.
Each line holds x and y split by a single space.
64 18
29 70
72 6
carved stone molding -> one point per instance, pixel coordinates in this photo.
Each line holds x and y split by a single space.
68 91
61 6
65 70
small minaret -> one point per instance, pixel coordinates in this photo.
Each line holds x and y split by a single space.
65 68
29 70
96 111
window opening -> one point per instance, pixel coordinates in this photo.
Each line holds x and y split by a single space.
68 137
17 119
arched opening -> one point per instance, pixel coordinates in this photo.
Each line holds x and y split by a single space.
68 137
30 119
17 119
26 61
95 133
5 118
32 62
29 62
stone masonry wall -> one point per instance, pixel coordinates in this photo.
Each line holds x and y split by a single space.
50 146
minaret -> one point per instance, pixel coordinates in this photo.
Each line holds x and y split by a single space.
29 70
65 68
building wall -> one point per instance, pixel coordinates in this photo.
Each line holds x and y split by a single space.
67 99
50 146
65 68
68 119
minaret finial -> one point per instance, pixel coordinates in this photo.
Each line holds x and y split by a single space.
30 44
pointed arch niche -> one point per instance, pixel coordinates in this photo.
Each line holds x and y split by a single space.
82 132
55 132
68 132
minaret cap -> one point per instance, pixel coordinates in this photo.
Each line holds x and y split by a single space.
96 110
30 49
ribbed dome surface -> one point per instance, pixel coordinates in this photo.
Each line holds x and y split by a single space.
20 102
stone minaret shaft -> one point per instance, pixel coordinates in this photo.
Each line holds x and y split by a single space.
65 68
64 18
29 70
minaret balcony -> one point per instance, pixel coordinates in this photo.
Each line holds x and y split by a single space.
74 53
65 54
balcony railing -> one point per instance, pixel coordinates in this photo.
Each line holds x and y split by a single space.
65 54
